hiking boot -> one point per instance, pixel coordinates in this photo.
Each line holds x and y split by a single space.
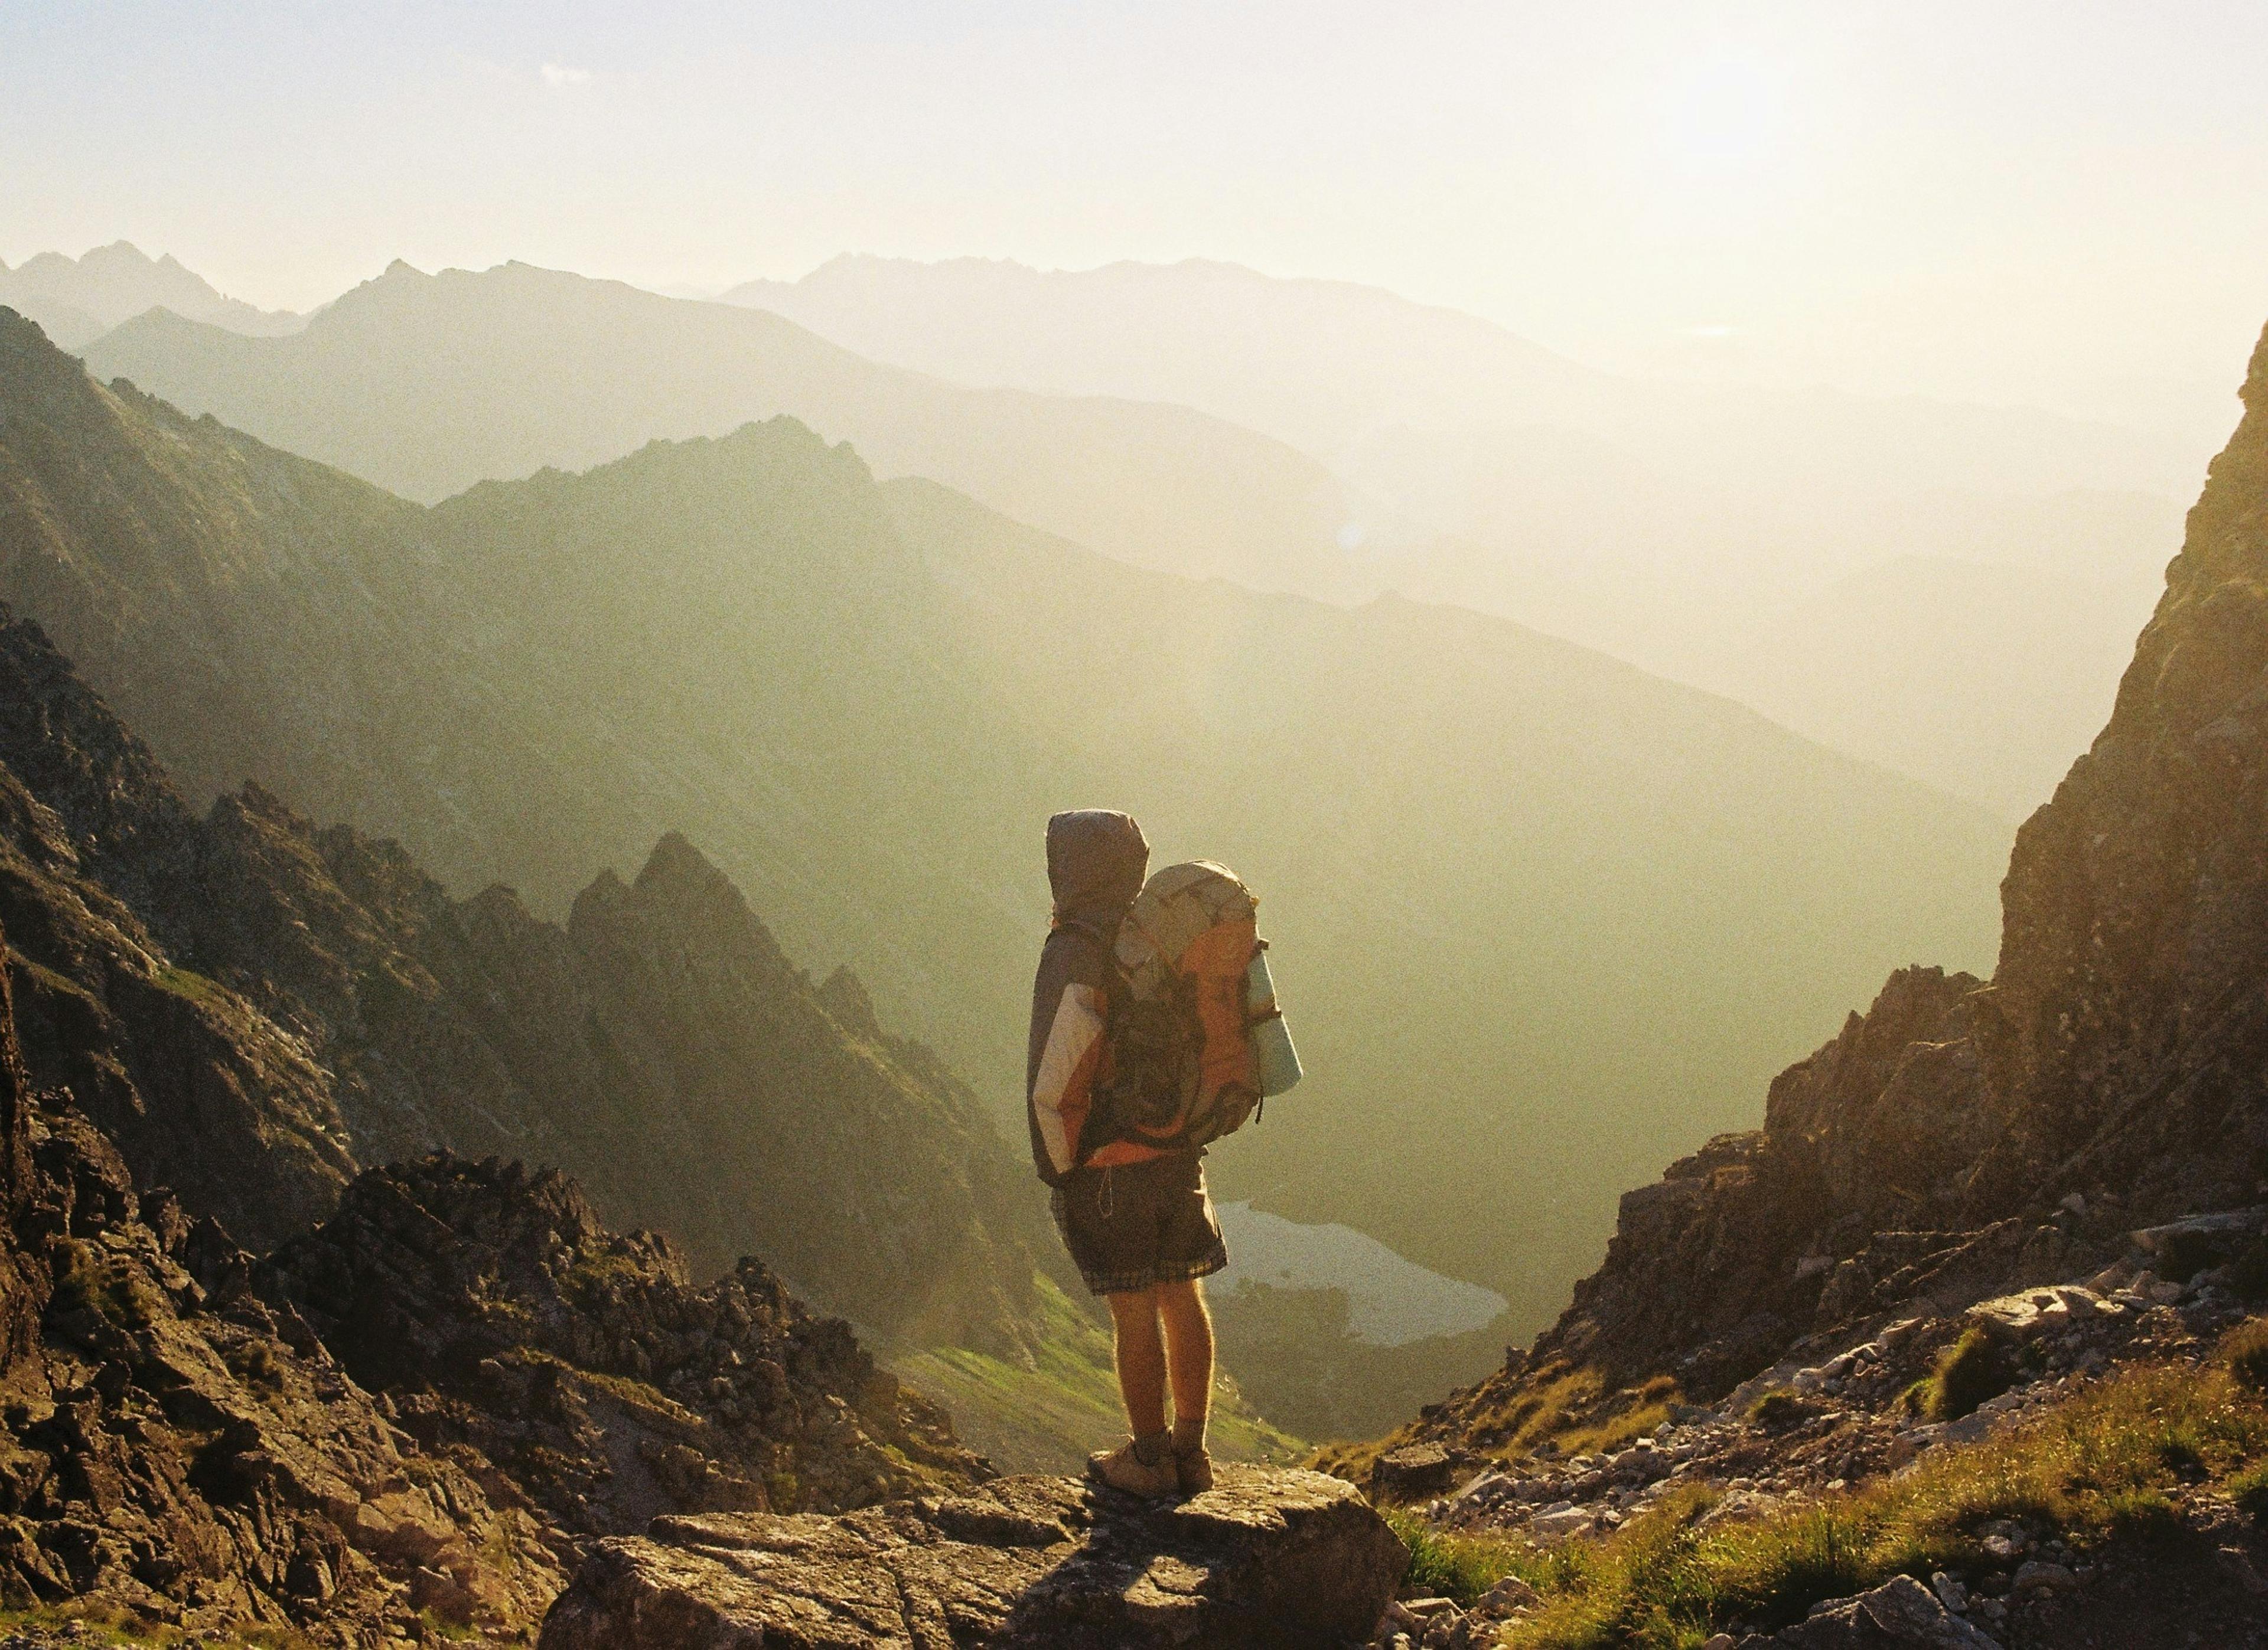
1193 1471
1123 1469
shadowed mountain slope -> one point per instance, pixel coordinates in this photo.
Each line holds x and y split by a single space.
254 1008
404 1425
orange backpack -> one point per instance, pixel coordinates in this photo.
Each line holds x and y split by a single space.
1183 1071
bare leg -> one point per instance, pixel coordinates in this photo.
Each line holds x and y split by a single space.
1141 1355
1189 1348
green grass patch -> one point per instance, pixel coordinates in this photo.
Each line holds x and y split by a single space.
1973 1371
1570 1410
2105 1461
109 1625
87 1279
192 986
2249 1490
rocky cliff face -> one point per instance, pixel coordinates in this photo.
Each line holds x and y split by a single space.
503 1320
405 1422
1961 1137
175 1447
254 1008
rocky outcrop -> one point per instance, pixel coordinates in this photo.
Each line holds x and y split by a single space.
402 1424
1266 1558
1901 1614
500 1317
175 1449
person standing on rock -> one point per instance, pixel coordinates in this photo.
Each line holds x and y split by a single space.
1136 1219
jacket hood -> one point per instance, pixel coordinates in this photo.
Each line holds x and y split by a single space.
1097 861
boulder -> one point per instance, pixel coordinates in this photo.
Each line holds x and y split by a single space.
1901 1614
1417 1472
1266 1558
2033 1312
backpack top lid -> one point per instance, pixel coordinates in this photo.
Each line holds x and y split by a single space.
1175 906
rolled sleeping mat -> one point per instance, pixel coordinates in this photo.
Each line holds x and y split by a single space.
1276 1061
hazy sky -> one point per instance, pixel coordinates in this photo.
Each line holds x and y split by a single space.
2060 203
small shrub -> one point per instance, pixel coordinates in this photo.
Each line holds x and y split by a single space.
88 1280
1778 1409
2249 1489
2245 1350
1974 1370
256 1362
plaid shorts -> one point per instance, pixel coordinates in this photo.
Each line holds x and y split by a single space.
1140 1224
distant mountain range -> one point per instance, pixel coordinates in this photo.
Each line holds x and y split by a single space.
1314 436
1543 918
1672 526
78 299
427 384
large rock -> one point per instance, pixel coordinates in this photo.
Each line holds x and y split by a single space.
1267 1558
1901 1614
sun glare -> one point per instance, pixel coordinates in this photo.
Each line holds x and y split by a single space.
1724 115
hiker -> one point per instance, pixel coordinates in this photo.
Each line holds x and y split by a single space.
1137 1217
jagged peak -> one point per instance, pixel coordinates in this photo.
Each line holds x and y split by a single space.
676 859
848 1003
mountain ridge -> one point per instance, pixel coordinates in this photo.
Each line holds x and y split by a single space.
78 299
1672 525
676 369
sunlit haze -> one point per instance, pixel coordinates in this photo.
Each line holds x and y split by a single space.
2053 203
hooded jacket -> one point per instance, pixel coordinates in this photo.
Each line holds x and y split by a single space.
1097 861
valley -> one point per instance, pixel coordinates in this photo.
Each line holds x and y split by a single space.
854 698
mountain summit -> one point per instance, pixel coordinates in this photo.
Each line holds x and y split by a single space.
78 299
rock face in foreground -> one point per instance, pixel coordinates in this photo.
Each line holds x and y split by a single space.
1266 1558
497 1314
174 1448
